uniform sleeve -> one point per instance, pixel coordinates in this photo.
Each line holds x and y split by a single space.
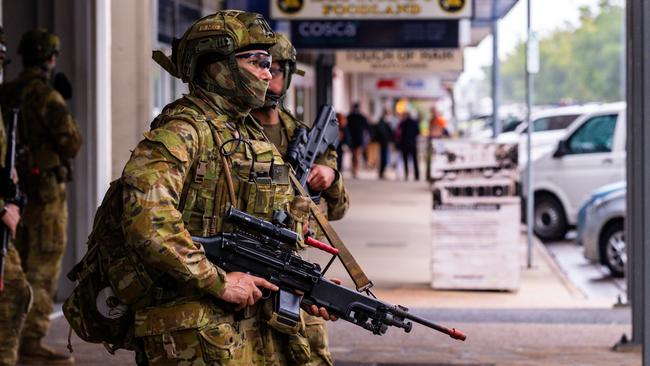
3 151
336 196
63 127
153 180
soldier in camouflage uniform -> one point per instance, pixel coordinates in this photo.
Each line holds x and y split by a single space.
16 297
48 138
200 157
279 126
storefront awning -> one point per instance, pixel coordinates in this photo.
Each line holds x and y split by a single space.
486 12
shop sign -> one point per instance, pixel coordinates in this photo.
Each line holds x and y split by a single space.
374 34
370 9
401 61
427 87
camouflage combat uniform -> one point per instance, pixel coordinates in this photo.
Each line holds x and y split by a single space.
50 137
335 200
335 203
16 297
176 185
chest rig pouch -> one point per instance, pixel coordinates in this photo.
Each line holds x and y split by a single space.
263 180
238 166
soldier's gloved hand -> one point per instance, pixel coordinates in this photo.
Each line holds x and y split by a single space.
320 177
322 312
10 217
244 289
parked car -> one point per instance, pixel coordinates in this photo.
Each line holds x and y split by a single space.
601 228
590 155
480 128
549 126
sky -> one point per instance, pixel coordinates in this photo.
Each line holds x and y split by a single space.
546 15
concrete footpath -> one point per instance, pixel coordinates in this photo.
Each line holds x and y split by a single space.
547 322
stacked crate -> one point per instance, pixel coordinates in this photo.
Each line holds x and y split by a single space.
476 217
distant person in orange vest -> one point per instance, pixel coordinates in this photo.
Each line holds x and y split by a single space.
437 125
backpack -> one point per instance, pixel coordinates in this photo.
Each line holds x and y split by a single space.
112 281
109 280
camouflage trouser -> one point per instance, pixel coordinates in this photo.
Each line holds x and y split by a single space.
41 242
197 333
316 331
14 303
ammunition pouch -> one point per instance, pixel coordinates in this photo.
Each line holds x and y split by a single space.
298 349
282 313
176 328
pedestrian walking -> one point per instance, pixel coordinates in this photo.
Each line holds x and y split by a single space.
408 132
358 128
384 136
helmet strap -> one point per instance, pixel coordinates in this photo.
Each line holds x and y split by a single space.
273 100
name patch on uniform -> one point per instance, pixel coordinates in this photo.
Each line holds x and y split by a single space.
209 27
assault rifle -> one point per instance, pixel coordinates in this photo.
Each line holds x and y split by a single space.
264 249
10 191
307 145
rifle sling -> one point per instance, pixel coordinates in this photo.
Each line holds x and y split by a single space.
361 281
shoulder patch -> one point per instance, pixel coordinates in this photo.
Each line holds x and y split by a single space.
179 138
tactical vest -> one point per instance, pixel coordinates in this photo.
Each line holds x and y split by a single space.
229 166
252 166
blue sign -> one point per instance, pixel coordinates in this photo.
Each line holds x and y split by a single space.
374 34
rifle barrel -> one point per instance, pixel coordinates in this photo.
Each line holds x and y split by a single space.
453 332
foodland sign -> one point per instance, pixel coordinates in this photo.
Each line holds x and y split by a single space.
401 61
370 9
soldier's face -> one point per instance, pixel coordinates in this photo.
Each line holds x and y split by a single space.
277 72
256 62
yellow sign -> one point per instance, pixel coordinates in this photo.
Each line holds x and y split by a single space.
371 9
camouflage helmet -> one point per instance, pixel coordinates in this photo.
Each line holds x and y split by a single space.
284 53
216 36
37 45
283 50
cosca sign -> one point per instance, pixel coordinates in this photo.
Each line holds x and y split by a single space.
327 29
374 34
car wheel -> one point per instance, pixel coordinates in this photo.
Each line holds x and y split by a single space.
612 249
550 221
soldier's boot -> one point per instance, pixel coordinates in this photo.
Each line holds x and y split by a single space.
33 352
